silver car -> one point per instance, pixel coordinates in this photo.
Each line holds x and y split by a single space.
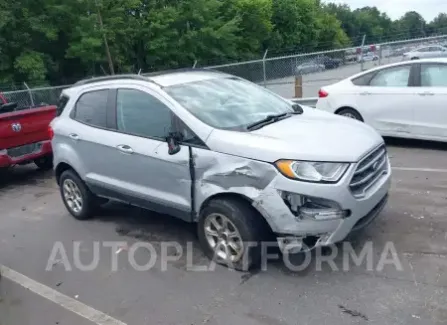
222 152
433 51
309 67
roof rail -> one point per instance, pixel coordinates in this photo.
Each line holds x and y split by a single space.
157 73
112 77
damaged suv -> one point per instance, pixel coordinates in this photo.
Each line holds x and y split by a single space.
222 152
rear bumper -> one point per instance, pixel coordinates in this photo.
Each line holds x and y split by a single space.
44 148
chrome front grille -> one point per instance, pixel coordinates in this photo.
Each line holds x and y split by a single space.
368 171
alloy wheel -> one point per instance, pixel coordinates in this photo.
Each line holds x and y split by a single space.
223 237
72 195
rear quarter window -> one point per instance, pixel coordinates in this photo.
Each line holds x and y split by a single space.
363 80
61 104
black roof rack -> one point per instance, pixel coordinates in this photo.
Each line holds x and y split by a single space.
112 77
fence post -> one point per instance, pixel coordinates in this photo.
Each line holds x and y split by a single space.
264 69
30 94
361 52
298 86
194 65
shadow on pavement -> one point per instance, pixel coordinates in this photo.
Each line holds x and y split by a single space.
415 144
22 175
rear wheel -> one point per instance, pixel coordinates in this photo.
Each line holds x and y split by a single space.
45 162
77 198
351 113
230 232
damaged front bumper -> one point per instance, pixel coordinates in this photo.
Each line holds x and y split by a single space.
328 213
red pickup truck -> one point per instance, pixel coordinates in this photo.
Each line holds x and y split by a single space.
24 136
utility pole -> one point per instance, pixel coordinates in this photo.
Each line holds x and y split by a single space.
106 44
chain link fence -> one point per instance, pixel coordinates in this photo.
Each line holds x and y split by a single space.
279 73
28 98
322 68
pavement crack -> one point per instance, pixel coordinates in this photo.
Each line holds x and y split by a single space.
353 313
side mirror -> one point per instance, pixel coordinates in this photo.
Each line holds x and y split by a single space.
173 140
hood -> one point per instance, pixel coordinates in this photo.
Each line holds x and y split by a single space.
315 135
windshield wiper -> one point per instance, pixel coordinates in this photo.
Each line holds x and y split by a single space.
267 120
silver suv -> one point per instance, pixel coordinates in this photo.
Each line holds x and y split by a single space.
222 152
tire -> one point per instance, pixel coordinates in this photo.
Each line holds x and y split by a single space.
350 113
244 221
79 190
45 162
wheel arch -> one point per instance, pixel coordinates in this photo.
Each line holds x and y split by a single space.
236 197
338 110
62 167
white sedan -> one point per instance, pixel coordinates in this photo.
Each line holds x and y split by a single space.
434 51
405 99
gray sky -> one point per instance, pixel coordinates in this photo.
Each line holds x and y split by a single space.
429 9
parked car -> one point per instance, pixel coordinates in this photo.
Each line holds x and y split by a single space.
433 51
222 152
24 135
367 57
405 99
328 62
309 67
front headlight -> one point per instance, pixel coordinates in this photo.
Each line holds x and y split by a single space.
309 171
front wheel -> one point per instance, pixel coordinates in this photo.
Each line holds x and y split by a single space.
350 113
230 232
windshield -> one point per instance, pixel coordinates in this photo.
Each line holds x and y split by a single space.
228 103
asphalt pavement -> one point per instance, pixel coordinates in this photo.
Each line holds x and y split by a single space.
57 270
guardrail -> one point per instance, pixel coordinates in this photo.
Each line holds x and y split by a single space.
308 101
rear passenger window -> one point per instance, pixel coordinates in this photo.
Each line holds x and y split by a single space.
91 108
141 114
392 77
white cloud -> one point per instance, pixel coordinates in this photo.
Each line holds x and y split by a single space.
429 9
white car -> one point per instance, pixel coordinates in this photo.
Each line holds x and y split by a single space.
405 99
367 57
433 51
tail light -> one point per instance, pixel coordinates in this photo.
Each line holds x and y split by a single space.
50 132
322 93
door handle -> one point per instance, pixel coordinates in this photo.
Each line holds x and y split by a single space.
364 93
74 136
125 148
426 93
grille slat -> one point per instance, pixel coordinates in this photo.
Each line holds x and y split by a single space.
368 171
370 163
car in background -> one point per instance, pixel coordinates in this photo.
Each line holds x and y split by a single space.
433 51
328 62
309 67
405 99
367 57
219 151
